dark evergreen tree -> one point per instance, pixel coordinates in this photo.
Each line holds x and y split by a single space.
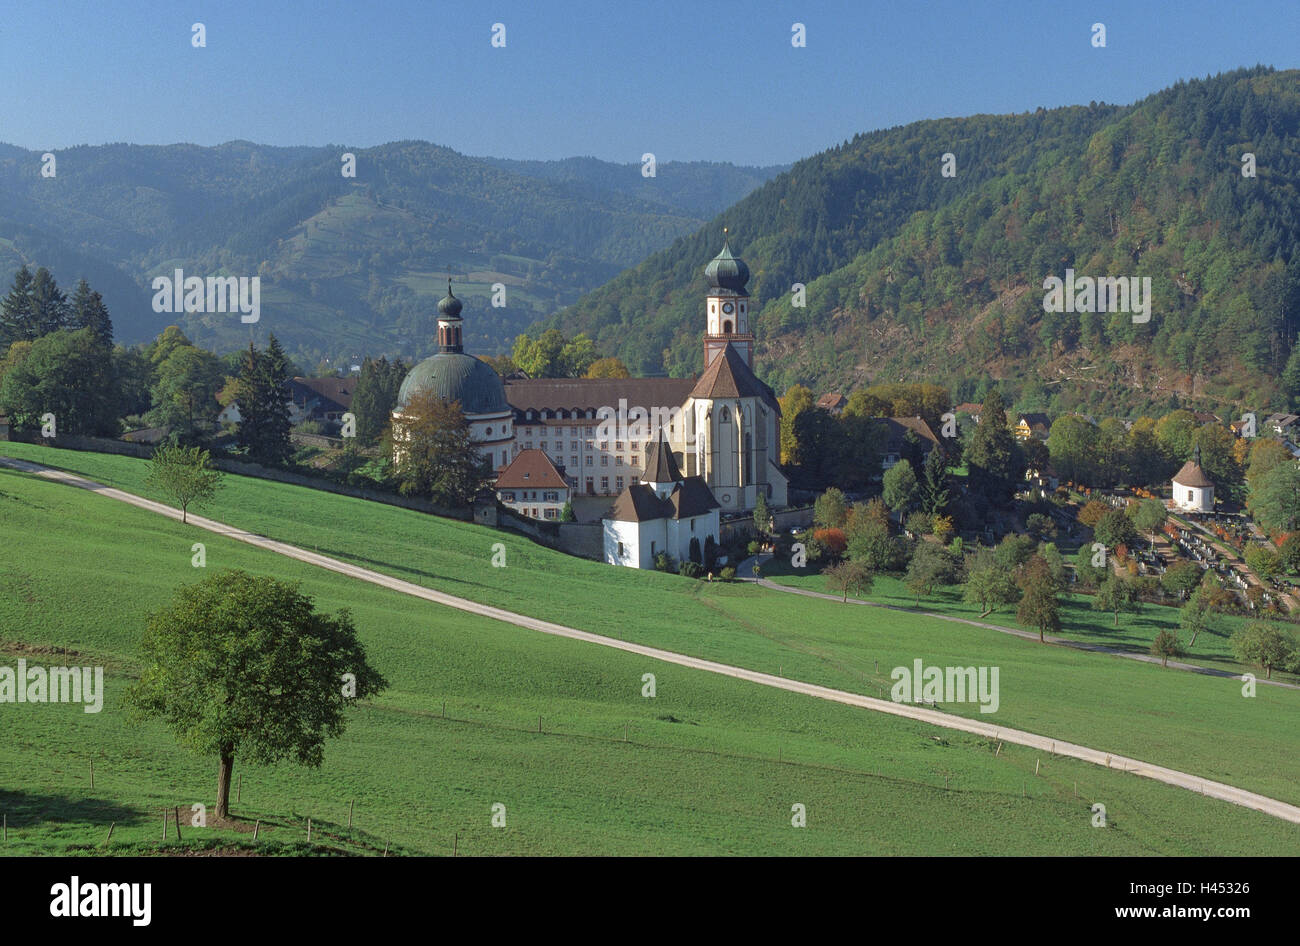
246 398
263 399
375 397
16 310
276 372
49 310
934 482
89 311
994 462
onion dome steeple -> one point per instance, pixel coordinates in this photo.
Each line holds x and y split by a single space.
727 306
449 322
728 272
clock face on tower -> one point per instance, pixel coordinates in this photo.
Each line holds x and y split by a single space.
728 308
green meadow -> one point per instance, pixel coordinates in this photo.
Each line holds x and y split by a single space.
708 765
1079 622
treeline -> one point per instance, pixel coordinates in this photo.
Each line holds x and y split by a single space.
58 358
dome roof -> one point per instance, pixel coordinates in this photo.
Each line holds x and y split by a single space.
455 376
727 272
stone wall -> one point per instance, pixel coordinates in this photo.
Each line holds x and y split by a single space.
583 539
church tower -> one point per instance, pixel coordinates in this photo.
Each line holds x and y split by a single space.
727 307
732 419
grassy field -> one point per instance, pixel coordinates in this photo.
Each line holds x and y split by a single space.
1186 721
1079 622
710 765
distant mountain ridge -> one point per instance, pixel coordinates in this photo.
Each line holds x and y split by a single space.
349 266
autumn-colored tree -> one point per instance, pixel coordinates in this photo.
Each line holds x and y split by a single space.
1092 512
833 540
608 368
1165 646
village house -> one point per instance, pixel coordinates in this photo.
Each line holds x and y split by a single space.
533 486
896 439
323 400
1034 424
833 402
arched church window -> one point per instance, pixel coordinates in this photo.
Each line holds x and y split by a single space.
726 327
725 417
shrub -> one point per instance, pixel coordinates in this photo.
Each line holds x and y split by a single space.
728 573
664 563
689 569
1091 514
832 540
755 547
1040 525
919 523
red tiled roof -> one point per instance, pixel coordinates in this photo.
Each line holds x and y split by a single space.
531 469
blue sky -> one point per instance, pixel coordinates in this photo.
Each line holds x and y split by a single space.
687 81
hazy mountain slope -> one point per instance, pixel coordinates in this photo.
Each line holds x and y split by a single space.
348 266
911 274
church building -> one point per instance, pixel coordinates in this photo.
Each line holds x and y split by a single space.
1193 490
720 430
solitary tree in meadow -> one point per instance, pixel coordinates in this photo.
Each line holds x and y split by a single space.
988 584
1039 607
1267 645
1165 646
849 576
1195 615
185 475
1116 594
242 666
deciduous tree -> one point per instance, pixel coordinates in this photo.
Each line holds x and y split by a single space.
243 667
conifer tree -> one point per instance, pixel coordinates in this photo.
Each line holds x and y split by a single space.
89 311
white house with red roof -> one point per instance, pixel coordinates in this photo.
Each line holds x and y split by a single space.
533 486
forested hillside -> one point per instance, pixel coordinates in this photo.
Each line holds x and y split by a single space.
913 275
348 265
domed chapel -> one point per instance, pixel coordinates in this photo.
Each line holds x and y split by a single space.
721 428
